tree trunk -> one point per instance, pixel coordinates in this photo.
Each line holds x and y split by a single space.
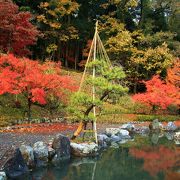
29 110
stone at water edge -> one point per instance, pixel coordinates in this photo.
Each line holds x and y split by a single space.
171 126
112 131
115 138
128 126
61 145
51 153
143 130
28 155
155 125
40 154
169 135
15 166
177 138
84 149
3 175
103 140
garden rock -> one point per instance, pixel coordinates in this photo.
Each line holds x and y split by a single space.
103 140
171 126
27 153
115 138
177 138
61 145
155 125
169 135
124 134
3 176
51 153
84 149
128 126
40 154
15 166
112 131
142 130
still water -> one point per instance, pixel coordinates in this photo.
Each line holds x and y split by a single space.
141 159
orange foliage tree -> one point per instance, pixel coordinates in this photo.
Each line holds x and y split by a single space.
34 80
158 93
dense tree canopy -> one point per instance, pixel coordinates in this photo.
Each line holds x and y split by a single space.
141 35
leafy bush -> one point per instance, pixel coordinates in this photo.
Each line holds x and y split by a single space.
159 117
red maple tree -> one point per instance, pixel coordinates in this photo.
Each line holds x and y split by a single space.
16 31
158 93
34 80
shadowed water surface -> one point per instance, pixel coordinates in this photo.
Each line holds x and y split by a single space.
142 159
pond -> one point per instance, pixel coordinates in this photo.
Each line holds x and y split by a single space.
144 158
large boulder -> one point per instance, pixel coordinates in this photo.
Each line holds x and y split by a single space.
112 131
28 155
61 145
171 126
40 154
3 175
84 149
15 166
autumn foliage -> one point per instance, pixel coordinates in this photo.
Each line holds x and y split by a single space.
158 93
16 31
34 80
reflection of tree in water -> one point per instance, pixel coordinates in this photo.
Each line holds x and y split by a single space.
158 159
122 163
113 164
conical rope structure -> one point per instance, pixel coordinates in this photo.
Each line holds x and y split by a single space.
97 52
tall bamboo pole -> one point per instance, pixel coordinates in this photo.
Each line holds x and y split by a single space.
93 88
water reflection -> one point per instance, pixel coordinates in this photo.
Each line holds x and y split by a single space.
158 159
148 161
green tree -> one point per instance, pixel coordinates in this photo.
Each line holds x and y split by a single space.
108 83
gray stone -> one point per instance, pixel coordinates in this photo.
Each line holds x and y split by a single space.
103 140
142 130
15 166
155 125
177 138
115 138
40 154
61 145
28 155
3 175
51 153
84 149
171 126
124 134
169 135
128 126
112 131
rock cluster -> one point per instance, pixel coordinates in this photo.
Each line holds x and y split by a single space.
41 154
